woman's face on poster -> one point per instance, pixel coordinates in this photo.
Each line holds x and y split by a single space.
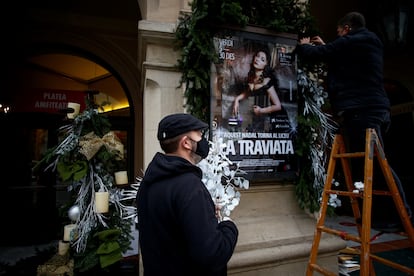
260 60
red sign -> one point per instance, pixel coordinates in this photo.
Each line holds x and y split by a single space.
48 100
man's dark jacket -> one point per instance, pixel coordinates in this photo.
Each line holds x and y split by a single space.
178 231
355 70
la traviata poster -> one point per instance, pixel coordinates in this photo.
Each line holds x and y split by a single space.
254 102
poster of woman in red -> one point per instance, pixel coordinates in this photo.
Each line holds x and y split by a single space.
254 102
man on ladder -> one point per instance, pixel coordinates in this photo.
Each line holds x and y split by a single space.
355 84
358 99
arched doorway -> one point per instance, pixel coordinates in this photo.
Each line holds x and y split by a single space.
41 52
42 86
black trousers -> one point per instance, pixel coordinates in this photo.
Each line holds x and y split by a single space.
353 125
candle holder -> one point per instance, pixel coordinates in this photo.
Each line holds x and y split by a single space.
101 202
75 107
69 232
121 177
63 247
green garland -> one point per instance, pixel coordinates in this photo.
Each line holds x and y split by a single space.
194 37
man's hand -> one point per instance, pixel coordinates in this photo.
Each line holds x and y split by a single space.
317 40
304 40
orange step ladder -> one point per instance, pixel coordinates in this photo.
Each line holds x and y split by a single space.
373 149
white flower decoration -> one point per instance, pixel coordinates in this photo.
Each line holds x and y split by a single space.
359 185
222 178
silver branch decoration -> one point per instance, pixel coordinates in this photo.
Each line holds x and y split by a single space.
222 177
314 98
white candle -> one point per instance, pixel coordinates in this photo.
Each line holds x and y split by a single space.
68 232
63 248
102 202
75 107
121 177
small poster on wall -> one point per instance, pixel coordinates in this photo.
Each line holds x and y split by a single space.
254 102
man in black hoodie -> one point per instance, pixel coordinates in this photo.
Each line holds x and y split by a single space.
179 233
355 85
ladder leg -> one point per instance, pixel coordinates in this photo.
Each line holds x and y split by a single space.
366 267
365 261
324 206
350 187
395 193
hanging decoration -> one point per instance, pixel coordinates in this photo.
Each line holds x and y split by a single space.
102 213
317 132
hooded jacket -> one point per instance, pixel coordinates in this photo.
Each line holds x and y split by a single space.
178 231
355 70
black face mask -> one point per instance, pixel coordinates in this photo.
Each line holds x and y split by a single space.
202 148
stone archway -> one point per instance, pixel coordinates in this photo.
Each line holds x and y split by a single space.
100 47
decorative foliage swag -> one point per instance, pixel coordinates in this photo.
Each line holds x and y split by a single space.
194 37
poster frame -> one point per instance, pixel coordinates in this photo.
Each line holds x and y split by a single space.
261 35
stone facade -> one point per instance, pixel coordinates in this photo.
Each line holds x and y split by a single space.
275 234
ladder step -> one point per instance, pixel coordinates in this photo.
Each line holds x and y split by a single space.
359 194
348 155
344 193
322 270
403 268
342 234
384 193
